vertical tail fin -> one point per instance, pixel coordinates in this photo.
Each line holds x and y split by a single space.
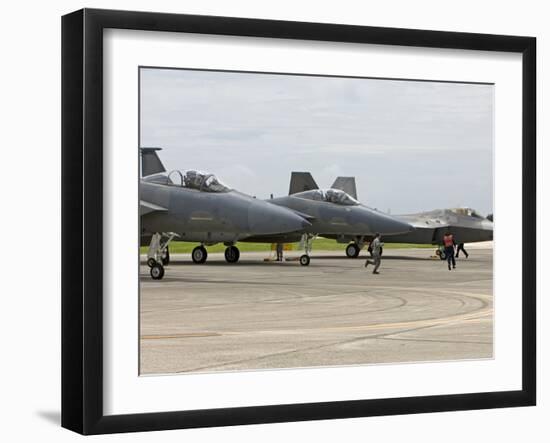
346 184
150 162
300 182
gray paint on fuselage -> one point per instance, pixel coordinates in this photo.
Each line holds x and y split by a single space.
212 217
431 226
330 218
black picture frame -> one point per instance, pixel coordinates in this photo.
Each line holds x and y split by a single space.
82 218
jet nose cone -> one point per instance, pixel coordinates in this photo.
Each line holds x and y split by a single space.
386 224
267 218
487 229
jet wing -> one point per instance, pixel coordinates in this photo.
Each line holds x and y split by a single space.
147 208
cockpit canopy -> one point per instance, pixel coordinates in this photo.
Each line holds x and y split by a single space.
466 211
328 195
200 181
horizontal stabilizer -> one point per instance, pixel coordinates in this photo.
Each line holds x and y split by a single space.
150 162
346 184
300 182
147 208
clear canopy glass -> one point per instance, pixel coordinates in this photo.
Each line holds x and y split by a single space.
198 180
466 211
329 195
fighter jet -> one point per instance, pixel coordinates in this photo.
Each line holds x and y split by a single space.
466 224
333 213
197 207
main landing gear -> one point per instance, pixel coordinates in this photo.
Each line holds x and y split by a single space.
199 254
232 254
158 255
353 249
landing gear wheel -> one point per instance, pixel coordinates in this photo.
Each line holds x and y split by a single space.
151 262
157 272
199 254
304 260
232 254
352 250
166 258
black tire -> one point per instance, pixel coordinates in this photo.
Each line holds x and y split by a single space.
352 250
232 254
157 272
199 254
166 258
304 260
151 262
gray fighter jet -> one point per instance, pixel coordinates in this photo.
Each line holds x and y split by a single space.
197 207
333 213
466 225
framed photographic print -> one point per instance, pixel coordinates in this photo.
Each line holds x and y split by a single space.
269 221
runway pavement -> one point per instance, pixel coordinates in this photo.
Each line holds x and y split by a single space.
259 315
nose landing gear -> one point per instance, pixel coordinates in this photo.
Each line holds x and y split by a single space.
158 254
307 240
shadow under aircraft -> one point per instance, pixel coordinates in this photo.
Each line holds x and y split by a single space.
197 207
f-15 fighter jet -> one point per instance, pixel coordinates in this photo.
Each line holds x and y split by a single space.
197 207
333 213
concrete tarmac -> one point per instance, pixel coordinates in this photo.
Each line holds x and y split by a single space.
264 315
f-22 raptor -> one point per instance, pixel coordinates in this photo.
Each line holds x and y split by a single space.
466 224
197 207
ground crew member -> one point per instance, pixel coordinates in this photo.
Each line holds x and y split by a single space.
449 244
459 248
279 252
376 247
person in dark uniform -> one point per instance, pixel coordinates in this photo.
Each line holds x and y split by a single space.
279 252
459 248
449 244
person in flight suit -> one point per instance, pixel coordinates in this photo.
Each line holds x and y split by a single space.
376 247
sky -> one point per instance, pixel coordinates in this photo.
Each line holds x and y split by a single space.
412 146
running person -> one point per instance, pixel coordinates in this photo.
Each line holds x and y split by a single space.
376 247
